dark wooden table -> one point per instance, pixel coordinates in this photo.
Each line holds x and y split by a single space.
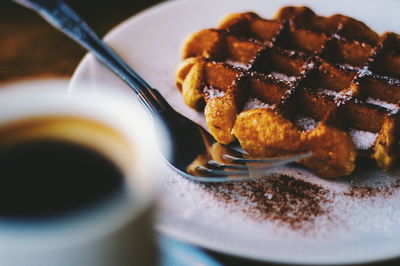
30 48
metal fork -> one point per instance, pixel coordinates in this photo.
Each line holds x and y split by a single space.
194 153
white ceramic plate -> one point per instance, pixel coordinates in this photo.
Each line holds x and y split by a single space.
357 230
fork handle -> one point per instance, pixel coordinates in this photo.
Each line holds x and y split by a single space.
62 17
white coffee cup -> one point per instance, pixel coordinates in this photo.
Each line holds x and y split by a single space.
116 232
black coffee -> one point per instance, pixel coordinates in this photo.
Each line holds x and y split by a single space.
48 177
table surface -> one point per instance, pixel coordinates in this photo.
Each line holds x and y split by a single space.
30 48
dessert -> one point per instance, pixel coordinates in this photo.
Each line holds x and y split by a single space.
299 82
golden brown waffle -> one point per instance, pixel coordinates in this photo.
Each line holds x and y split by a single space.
299 82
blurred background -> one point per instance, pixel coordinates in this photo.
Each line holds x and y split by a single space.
31 48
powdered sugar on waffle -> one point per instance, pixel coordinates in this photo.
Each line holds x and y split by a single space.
255 103
305 122
393 108
281 76
236 64
213 93
336 94
363 139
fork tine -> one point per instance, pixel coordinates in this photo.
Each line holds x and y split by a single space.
235 148
217 173
272 163
243 175
275 160
216 164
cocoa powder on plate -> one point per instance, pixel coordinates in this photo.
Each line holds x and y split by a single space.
362 192
283 199
289 201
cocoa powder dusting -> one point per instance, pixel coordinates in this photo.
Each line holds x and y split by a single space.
362 192
282 199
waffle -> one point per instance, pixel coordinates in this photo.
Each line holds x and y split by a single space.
298 82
